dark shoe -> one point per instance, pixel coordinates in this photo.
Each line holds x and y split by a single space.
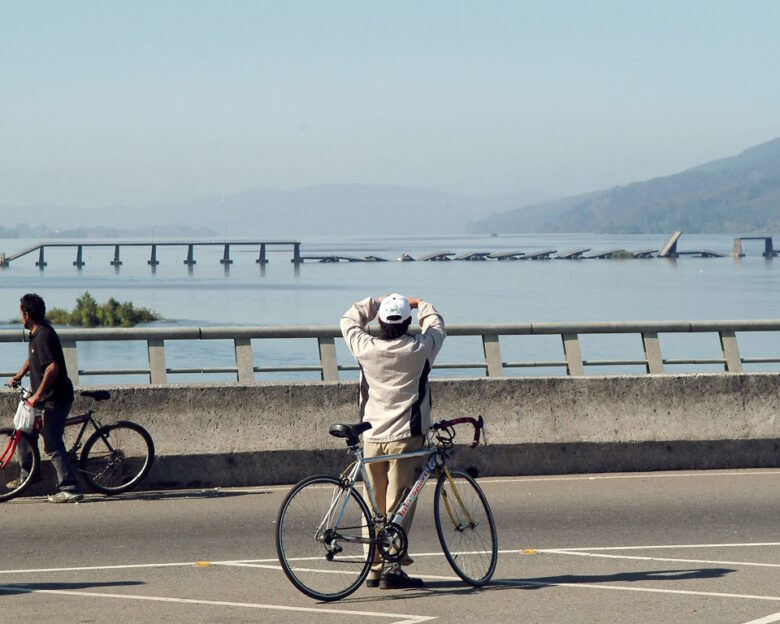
399 580
372 581
66 497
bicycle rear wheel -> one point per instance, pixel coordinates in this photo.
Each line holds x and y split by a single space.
18 469
323 560
466 528
117 457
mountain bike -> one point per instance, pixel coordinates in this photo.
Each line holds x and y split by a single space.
326 536
115 457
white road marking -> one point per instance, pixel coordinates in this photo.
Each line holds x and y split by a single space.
769 619
274 562
637 558
647 475
667 546
404 619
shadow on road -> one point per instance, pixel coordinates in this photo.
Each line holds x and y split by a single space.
450 588
29 588
624 577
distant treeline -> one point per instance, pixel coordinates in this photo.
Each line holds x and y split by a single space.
23 230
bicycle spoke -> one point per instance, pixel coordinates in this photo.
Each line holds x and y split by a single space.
465 527
116 457
20 465
323 561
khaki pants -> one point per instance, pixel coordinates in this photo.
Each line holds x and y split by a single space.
389 479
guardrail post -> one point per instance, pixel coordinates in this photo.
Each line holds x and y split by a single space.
730 349
571 349
653 360
492 351
71 360
157 371
244 364
330 367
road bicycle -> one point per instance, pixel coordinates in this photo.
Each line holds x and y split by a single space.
115 457
326 536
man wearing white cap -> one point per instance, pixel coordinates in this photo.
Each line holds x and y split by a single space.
395 398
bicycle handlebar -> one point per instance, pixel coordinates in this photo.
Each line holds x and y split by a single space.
477 423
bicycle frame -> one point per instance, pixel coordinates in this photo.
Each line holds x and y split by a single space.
436 461
80 419
83 420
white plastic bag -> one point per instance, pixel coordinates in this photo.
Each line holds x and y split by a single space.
24 420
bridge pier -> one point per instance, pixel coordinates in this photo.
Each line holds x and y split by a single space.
41 262
296 254
226 256
769 250
79 262
153 259
3 262
262 259
190 261
116 262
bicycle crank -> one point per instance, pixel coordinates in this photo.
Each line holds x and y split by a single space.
392 542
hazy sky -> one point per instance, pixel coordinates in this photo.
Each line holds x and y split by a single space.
139 102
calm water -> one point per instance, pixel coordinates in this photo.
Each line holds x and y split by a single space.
590 290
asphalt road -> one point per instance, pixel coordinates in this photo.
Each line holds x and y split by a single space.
653 548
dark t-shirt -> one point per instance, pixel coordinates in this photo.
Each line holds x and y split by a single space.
45 348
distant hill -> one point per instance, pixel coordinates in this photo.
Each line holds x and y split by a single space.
738 194
346 209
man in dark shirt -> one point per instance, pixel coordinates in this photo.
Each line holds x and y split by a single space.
52 392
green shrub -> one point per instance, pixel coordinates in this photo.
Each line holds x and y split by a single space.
112 313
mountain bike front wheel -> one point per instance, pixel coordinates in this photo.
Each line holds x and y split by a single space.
19 463
466 528
320 535
117 457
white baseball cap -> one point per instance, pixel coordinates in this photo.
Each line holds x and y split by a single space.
394 309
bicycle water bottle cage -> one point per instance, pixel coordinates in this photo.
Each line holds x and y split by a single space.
350 432
98 395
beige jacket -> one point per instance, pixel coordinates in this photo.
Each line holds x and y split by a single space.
394 392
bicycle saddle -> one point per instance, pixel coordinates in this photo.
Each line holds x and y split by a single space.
351 432
98 395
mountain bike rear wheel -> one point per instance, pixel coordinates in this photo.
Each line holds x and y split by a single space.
20 462
466 528
117 457
323 560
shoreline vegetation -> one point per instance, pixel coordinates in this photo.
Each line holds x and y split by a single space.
88 313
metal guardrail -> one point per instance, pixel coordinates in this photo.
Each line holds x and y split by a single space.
493 364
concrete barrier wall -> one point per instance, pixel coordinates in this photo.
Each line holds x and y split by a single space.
243 434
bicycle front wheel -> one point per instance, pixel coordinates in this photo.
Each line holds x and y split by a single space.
320 535
20 462
117 457
466 528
